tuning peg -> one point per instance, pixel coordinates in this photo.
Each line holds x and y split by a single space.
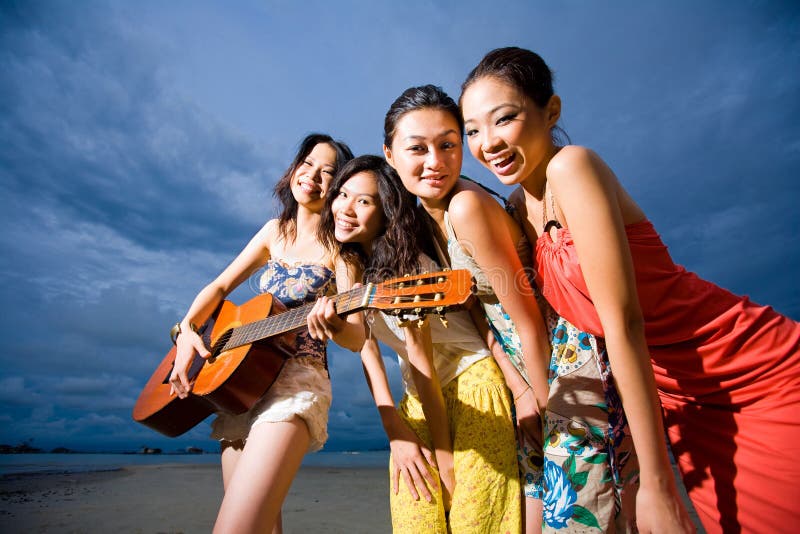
421 321
404 323
420 281
443 319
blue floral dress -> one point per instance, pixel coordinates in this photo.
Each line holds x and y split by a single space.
588 473
303 386
591 472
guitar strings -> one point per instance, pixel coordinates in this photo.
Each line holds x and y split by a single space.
296 317
289 320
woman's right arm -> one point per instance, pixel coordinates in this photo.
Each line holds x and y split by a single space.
512 376
423 372
595 219
486 232
411 458
323 321
253 256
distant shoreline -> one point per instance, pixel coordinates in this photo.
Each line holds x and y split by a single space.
185 498
60 463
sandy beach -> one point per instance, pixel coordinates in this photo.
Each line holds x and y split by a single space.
181 498
185 498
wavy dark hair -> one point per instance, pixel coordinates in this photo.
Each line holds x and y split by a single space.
396 248
524 70
416 98
283 189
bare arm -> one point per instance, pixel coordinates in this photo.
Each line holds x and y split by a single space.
323 321
411 458
514 380
485 230
587 193
528 419
254 255
423 372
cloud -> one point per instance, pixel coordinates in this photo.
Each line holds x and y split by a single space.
14 391
120 199
139 144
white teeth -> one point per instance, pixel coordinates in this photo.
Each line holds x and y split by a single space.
344 225
311 188
498 162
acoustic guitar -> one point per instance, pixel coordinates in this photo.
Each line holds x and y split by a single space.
249 344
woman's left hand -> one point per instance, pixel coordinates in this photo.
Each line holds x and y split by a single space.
323 321
661 510
412 461
529 420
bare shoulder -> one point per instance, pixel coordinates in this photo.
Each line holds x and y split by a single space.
470 203
574 165
267 235
271 225
571 158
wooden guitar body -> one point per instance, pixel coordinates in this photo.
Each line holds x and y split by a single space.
231 381
249 344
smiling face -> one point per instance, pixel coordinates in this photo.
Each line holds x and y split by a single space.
506 131
357 211
312 177
426 152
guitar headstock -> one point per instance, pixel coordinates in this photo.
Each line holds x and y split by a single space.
423 293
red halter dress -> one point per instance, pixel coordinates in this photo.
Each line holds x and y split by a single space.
727 372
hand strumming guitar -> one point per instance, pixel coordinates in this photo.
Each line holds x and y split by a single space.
188 343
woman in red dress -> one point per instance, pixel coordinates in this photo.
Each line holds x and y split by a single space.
727 371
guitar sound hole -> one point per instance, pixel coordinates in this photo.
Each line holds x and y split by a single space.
220 344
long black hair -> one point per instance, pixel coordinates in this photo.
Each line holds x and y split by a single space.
397 247
283 189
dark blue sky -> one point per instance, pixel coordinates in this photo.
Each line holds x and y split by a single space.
139 143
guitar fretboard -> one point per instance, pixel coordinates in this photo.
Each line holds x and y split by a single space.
352 300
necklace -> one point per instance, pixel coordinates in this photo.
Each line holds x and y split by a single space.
548 223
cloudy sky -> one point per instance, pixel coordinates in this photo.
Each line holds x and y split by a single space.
139 143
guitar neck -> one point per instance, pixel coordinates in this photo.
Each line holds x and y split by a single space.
348 302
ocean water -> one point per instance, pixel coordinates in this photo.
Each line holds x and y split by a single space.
17 464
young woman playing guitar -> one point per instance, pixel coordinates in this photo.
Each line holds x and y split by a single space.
262 448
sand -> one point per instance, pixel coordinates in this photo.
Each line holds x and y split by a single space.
185 498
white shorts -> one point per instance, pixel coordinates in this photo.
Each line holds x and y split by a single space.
302 388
